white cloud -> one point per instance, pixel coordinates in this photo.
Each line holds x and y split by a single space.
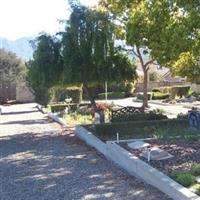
19 18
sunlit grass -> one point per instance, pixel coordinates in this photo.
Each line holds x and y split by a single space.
75 119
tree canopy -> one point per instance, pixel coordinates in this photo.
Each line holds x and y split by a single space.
89 51
162 29
10 66
46 67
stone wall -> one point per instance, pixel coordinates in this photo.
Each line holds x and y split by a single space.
23 93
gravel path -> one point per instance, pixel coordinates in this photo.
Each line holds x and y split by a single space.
38 163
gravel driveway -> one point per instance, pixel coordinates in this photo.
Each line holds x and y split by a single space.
38 163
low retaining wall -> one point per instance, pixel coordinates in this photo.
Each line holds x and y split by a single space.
52 116
90 139
136 167
57 119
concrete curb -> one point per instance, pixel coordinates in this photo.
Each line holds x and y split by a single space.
57 119
136 167
41 109
52 116
152 176
90 139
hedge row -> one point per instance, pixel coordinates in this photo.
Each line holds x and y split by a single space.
112 95
140 128
57 107
59 94
154 95
174 91
160 95
139 117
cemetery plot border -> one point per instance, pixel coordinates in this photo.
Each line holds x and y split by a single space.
136 167
185 153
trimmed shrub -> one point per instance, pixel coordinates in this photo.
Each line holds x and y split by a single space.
60 93
152 115
174 91
162 89
160 95
112 95
185 178
195 170
193 137
129 89
140 96
141 128
180 91
182 116
156 90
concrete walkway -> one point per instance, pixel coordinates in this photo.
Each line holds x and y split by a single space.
38 163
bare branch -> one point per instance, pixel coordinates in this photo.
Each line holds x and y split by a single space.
148 63
130 51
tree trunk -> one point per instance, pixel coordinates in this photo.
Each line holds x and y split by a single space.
91 97
145 92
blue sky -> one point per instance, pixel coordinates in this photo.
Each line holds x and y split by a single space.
20 18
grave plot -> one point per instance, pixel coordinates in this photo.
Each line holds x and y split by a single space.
167 154
177 158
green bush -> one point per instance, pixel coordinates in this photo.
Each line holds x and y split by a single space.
184 178
182 116
193 137
174 91
195 170
112 95
160 95
60 93
129 89
152 115
162 89
153 76
140 96
156 90
179 91
57 107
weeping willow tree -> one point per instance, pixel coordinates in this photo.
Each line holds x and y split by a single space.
89 53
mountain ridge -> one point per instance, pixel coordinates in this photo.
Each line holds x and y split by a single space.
21 47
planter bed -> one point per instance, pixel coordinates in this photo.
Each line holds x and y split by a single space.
185 152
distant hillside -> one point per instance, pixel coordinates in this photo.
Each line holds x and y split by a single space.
21 47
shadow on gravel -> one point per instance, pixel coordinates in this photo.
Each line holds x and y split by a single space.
50 166
26 122
45 166
19 112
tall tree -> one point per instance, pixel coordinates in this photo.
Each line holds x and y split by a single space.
161 29
89 52
45 70
10 66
